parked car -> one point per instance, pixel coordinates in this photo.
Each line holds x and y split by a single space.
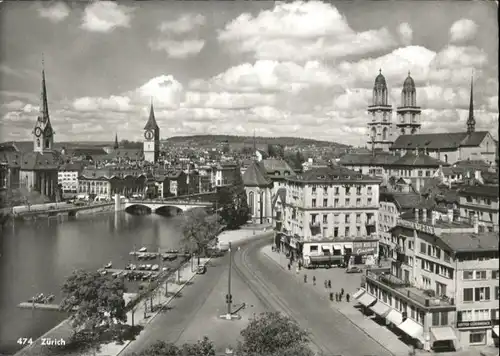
201 269
353 270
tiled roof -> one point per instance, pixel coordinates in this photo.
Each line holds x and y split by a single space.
439 140
124 153
86 151
404 200
74 166
32 161
273 166
368 159
331 174
480 191
13 159
280 193
255 176
469 242
420 160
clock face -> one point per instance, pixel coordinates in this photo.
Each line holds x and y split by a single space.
149 135
38 132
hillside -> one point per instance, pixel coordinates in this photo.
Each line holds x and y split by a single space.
204 140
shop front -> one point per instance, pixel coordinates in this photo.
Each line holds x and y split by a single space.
364 252
475 333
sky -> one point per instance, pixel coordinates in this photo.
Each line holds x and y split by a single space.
301 69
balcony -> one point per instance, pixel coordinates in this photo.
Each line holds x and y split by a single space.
405 290
314 224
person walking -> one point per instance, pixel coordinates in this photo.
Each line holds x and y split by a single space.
342 291
314 280
340 297
329 284
326 284
347 297
305 278
336 296
331 296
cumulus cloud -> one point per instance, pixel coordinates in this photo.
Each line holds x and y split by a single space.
55 12
105 16
178 49
184 24
317 28
405 33
113 103
463 30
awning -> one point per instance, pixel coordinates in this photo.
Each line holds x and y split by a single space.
348 246
366 299
443 333
325 247
411 328
380 309
337 247
358 293
325 258
394 317
496 331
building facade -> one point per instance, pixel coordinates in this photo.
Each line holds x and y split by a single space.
483 201
67 178
425 295
258 188
151 138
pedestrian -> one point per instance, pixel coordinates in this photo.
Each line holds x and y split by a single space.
326 284
347 297
340 297
314 280
305 278
336 296
329 284
331 296
342 291
289 267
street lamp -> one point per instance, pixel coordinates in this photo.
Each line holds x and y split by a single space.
229 298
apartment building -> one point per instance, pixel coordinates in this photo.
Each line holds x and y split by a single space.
67 178
224 174
442 290
483 201
331 205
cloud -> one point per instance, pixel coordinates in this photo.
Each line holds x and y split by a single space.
105 16
113 103
463 30
178 49
184 24
316 28
55 12
405 33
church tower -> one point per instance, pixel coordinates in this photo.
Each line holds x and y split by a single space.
43 134
380 125
152 138
408 122
471 122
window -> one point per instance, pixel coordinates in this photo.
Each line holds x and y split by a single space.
464 315
347 232
335 203
494 274
358 202
422 247
347 219
444 318
468 295
420 173
313 248
435 319
325 219
358 190
347 202
496 292
477 338
482 314
314 203
347 190
336 191
325 190
468 275
412 312
369 190
335 232
325 202
314 190
482 294
480 275
369 201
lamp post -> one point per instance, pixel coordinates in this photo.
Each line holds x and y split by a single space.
229 298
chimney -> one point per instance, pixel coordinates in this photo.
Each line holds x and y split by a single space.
424 214
433 217
475 222
450 214
416 214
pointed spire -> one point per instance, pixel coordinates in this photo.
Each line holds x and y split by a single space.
151 124
44 107
254 143
380 71
471 122
116 146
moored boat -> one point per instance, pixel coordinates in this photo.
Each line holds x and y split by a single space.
109 265
143 249
155 268
49 299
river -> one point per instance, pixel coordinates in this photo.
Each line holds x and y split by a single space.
37 256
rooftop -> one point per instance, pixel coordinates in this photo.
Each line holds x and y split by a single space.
439 140
490 191
470 242
418 160
331 174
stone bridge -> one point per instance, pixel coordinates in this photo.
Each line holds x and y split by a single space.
155 205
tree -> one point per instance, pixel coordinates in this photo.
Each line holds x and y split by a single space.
272 333
276 151
203 347
233 203
98 301
198 231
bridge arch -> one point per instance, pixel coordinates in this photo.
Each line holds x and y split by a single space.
138 209
169 210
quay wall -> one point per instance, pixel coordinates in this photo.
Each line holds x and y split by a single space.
98 209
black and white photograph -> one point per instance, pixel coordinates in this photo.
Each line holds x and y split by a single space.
249 178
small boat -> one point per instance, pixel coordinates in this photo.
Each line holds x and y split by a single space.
146 276
142 267
133 267
37 298
133 253
116 274
109 265
164 269
104 272
143 249
155 268
148 267
49 299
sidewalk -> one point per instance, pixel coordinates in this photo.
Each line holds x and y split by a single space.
350 283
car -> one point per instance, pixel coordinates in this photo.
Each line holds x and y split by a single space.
201 269
353 270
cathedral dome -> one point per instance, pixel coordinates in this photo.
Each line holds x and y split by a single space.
409 84
380 80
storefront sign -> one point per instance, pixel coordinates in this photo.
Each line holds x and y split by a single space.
364 245
473 324
416 226
365 251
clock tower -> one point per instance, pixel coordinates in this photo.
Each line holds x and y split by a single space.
151 138
43 134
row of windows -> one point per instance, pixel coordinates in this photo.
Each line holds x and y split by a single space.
347 190
347 218
477 315
478 200
434 251
336 203
479 294
479 275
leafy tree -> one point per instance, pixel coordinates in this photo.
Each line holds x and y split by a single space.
98 301
276 151
203 347
234 211
198 231
273 334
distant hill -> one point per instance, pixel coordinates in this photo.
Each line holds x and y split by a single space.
203 140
